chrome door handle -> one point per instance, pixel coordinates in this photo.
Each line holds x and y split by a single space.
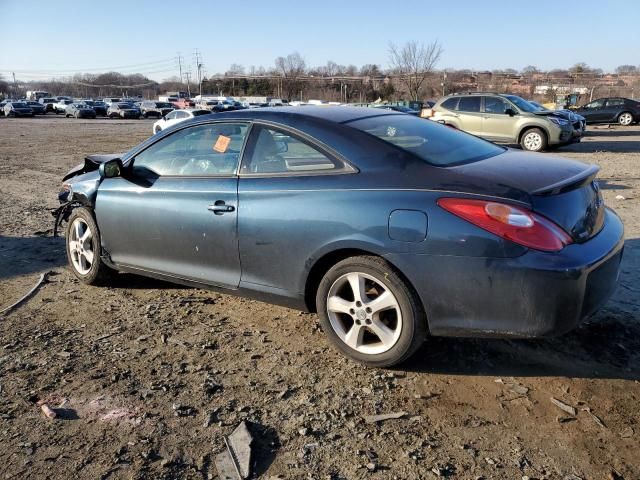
220 207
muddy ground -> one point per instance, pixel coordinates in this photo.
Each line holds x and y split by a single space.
147 377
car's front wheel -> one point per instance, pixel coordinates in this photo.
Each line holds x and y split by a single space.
625 119
534 140
369 312
83 248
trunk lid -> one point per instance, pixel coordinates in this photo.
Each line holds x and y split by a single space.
562 190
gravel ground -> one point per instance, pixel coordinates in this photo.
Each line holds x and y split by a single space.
147 377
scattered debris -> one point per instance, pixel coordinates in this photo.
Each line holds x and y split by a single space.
563 406
595 417
41 280
383 417
235 462
514 387
565 419
48 411
620 197
627 432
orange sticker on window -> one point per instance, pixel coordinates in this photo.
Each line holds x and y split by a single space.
222 144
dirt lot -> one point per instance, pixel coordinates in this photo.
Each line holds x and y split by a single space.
147 377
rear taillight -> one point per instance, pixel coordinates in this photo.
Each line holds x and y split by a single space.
516 224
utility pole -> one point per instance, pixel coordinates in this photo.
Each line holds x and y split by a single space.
15 85
199 67
180 66
188 75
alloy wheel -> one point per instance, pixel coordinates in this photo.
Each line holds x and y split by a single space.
625 119
81 246
533 141
364 313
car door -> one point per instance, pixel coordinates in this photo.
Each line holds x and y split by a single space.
283 183
612 108
497 124
469 114
174 210
593 112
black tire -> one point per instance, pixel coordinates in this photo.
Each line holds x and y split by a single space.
413 324
98 273
625 119
534 140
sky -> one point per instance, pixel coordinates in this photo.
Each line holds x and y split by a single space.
51 39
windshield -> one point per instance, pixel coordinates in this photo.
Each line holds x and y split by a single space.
124 105
163 105
434 143
200 112
19 105
522 104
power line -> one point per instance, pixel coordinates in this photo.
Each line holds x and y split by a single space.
153 64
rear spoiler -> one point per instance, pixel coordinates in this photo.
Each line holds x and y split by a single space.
576 181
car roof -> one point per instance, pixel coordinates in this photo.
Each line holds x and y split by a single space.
335 114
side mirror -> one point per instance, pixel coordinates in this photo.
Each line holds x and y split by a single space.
510 111
110 169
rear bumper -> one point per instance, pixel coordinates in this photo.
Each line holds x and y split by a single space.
535 295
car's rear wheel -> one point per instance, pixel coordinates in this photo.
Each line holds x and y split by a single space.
534 140
369 312
625 119
83 248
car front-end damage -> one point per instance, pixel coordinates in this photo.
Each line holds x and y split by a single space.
79 188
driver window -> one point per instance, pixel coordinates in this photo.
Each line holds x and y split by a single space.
202 150
595 104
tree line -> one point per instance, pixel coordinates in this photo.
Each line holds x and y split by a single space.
411 75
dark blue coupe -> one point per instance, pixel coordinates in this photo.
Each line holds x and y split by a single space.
389 226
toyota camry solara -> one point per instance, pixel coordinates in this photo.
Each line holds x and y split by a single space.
388 226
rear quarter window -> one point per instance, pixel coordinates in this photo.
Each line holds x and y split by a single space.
430 141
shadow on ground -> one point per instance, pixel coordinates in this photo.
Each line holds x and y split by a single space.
26 255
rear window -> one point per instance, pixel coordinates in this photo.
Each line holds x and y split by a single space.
197 113
450 104
434 143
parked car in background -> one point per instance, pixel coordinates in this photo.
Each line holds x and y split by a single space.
215 105
578 121
2 104
17 109
109 100
79 110
624 111
122 110
61 106
48 103
98 106
184 103
423 229
153 108
504 119
37 107
177 116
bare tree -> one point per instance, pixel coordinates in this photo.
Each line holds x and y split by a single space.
414 62
291 67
